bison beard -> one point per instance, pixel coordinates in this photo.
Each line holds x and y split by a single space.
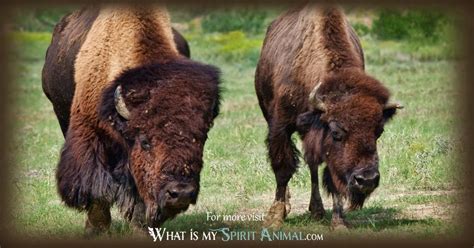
99 173
99 168
355 198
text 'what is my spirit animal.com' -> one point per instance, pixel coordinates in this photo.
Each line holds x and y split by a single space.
227 234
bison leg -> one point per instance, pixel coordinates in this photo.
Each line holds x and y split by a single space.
138 218
98 218
284 160
338 221
287 201
316 204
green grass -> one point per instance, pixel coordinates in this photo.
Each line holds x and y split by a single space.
418 152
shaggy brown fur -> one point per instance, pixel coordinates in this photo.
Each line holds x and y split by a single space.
172 118
107 159
303 47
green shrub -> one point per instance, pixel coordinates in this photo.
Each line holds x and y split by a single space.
38 19
424 24
409 24
236 46
361 29
29 43
390 25
182 13
227 20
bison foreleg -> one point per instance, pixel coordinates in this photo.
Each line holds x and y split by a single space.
338 220
98 218
138 218
316 204
279 209
284 160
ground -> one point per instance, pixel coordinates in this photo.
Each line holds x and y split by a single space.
419 197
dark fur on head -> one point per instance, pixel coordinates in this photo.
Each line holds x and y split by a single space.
172 107
355 101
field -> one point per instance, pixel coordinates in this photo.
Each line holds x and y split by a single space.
419 196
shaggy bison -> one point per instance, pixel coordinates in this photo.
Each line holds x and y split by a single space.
310 79
134 111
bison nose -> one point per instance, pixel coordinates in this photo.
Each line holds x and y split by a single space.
180 195
367 179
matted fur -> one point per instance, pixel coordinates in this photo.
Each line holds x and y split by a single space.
166 98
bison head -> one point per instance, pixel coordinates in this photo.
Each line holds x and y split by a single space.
162 114
347 116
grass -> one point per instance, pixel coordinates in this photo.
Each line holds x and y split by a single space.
418 152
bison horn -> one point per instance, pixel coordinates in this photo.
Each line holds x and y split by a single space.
315 100
393 105
120 103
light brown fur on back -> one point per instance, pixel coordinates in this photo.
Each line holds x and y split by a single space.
120 38
324 44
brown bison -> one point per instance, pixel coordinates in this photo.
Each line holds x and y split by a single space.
310 79
134 111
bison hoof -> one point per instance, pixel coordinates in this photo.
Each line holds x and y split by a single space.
139 231
275 216
317 214
287 201
287 208
93 232
339 224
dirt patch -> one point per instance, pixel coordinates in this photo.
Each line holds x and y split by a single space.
434 210
398 195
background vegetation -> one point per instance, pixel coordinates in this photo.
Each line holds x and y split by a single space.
412 51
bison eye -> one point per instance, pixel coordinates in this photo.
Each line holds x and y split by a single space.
144 142
337 132
337 136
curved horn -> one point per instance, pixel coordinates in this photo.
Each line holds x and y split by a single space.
120 103
315 100
393 105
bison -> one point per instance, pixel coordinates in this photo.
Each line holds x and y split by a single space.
135 113
310 79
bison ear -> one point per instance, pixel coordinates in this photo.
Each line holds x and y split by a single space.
389 110
307 120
